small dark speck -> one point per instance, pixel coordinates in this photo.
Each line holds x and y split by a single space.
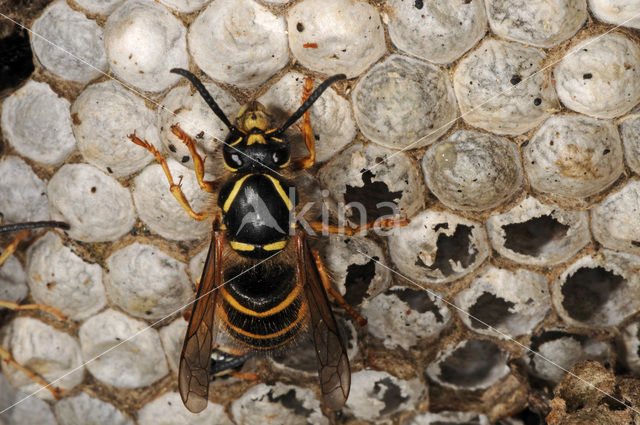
515 79
606 151
587 76
93 189
185 159
537 101
200 135
148 312
109 170
300 27
172 148
419 4
466 1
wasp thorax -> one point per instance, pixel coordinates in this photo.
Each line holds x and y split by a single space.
253 115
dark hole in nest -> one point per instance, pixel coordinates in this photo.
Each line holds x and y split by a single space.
359 277
587 290
16 59
290 401
370 195
471 364
418 300
489 309
457 248
391 395
531 236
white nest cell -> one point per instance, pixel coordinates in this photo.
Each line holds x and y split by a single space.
630 339
331 120
96 206
189 111
537 234
541 23
335 36
168 409
369 181
439 31
103 116
68 44
630 131
59 278
402 316
470 365
101 7
377 395
82 409
51 354
277 404
501 89
13 281
449 418
600 77
172 338
403 103
357 267
23 195
239 42
504 303
184 6
161 212
618 12
573 156
565 350
598 290
121 351
36 122
473 171
144 41
147 283
22 409
614 222
438 247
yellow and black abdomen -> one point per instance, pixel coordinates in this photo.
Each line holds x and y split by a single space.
257 210
264 307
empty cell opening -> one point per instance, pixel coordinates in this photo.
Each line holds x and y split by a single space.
471 365
390 394
587 290
418 301
370 195
359 277
457 249
291 402
491 310
533 236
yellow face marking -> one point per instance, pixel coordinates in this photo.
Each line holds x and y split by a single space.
234 193
280 191
233 170
277 309
301 315
286 164
241 246
256 138
236 142
275 246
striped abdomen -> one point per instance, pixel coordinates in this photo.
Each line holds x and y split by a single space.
264 307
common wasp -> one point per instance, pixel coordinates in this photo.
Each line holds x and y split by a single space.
262 285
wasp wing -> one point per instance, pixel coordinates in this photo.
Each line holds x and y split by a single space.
333 363
195 360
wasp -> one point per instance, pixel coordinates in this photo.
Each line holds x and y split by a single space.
262 285
25 229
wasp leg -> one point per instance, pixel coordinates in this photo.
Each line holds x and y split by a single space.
328 287
198 162
6 356
9 250
247 376
15 306
307 132
176 190
349 231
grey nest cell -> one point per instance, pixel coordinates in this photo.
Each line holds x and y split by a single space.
614 221
403 103
472 171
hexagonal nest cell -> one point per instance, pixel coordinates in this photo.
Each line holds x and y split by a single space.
503 137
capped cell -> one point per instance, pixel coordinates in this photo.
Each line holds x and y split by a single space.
83 408
630 132
168 409
23 195
618 12
614 221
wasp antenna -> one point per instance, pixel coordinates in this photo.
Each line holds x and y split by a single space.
310 101
205 95
33 225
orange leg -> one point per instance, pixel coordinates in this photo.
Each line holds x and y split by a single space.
6 356
8 252
176 190
324 277
247 376
198 162
349 231
307 132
